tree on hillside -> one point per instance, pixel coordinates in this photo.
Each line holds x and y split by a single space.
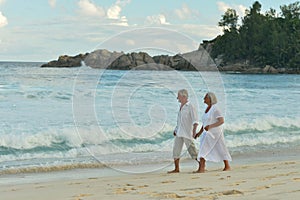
228 44
261 39
291 11
291 15
229 20
253 33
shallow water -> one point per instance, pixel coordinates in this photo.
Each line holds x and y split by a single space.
53 118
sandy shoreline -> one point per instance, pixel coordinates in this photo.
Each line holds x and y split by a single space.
261 180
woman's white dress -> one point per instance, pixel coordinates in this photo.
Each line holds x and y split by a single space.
212 143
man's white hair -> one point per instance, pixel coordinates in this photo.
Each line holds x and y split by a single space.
184 93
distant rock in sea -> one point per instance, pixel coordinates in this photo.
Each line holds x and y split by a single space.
102 58
67 61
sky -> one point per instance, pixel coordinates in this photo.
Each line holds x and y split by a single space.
42 30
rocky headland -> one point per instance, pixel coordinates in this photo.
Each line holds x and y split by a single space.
198 60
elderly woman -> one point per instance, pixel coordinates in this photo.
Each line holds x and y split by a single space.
212 144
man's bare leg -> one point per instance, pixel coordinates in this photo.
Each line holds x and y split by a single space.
176 163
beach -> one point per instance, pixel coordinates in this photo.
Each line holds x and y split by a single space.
265 179
91 107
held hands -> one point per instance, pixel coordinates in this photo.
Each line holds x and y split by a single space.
206 127
196 135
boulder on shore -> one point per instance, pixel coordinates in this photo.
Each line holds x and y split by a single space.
269 69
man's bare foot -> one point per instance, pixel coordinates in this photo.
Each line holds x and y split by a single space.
173 171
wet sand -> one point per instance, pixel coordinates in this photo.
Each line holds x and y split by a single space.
261 180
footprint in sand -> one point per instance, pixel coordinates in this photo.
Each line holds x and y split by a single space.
237 183
78 197
168 181
129 188
123 190
278 175
263 187
167 195
195 190
222 178
231 192
227 192
143 186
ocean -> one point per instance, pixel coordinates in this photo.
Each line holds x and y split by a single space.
67 118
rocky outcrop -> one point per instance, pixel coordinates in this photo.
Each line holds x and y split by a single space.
269 69
198 60
131 61
244 68
102 58
138 61
248 69
67 61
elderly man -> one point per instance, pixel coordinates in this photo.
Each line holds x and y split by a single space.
185 131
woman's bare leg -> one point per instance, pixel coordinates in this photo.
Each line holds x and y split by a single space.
201 168
227 166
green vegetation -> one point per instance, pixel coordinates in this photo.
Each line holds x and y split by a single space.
261 39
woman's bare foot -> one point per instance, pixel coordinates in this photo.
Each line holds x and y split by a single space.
226 169
199 171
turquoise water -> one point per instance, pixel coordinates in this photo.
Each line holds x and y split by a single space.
83 117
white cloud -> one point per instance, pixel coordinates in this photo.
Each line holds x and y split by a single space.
87 8
240 9
154 40
185 12
52 3
157 20
114 12
121 22
205 32
2 2
222 6
3 20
